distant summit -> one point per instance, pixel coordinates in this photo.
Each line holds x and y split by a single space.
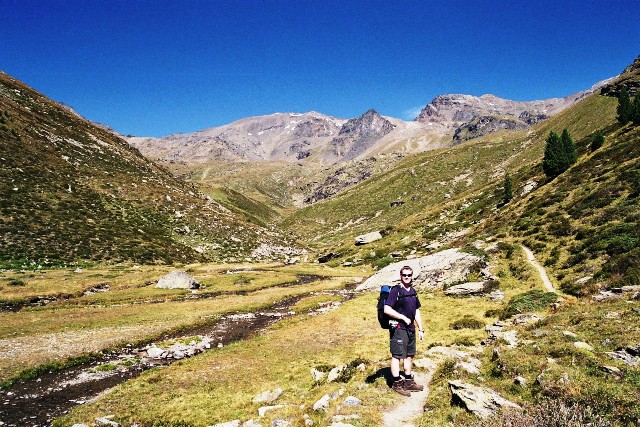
358 135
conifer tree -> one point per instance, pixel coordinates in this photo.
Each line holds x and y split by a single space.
635 109
569 149
554 160
508 190
624 106
598 141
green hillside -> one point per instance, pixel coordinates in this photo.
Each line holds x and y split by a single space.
71 192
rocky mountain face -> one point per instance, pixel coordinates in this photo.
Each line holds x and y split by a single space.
358 135
70 190
468 117
280 136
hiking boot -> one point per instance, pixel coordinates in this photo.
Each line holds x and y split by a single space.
411 385
398 387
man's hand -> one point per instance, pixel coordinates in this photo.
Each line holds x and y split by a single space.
407 320
421 334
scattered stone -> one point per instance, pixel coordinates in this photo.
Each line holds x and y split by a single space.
569 334
629 357
106 421
267 396
335 373
472 366
611 370
526 319
322 403
234 423
612 315
75 425
264 409
364 239
469 288
327 257
251 423
520 381
481 401
352 401
496 295
279 422
317 375
177 279
425 363
581 345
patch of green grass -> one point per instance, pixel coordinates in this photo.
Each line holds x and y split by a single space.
533 300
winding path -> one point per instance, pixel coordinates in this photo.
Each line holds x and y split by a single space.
409 408
541 270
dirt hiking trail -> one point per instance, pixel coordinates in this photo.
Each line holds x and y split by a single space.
541 270
408 409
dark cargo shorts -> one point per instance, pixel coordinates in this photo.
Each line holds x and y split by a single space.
402 343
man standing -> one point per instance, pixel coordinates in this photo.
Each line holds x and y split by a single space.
403 305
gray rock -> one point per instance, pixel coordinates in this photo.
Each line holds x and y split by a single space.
322 403
429 272
267 396
625 356
317 375
481 401
106 421
352 401
469 288
364 239
251 423
425 363
496 295
611 370
569 334
526 319
581 345
279 422
520 381
335 373
177 279
234 423
472 365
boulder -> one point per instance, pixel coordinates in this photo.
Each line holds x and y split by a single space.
352 401
106 421
335 373
611 370
267 396
496 295
469 288
581 345
429 272
481 401
177 279
317 375
322 404
364 239
526 319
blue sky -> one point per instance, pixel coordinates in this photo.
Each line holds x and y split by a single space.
153 68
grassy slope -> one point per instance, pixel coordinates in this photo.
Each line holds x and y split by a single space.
71 191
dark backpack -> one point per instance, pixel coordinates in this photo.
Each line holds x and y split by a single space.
384 319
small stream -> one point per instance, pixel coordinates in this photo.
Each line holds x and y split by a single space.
38 401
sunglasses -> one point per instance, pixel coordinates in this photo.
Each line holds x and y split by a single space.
407 275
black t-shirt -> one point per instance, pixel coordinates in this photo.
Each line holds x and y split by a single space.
406 302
